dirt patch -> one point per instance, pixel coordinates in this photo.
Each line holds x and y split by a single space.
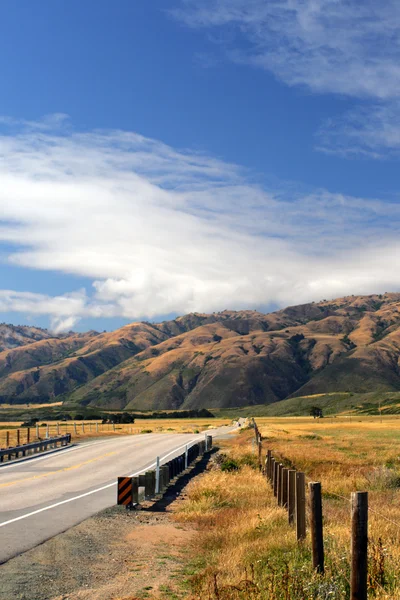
115 555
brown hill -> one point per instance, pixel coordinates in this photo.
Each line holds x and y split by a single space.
233 358
13 336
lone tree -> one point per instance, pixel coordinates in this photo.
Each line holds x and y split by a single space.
316 412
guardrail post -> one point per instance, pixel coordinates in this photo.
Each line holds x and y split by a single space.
291 495
300 506
317 539
150 484
186 456
359 545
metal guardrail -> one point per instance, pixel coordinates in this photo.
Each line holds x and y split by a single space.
34 447
151 484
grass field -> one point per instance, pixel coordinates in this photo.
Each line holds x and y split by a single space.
248 550
88 429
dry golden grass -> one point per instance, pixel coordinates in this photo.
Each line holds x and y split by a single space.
248 548
90 429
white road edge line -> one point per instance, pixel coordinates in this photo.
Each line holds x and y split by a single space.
100 489
50 455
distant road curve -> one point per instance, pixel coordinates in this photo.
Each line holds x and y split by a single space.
47 495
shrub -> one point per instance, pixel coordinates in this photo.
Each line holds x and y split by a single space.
229 465
146 431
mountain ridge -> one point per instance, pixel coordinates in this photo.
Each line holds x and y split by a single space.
218 360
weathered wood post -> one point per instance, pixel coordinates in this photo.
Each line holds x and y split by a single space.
280 484
300 506
291 495
359 545
28 435
275 481
285 487
37 431
317 538
18 437
7 439
268 464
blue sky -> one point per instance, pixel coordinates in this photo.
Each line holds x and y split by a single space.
167 156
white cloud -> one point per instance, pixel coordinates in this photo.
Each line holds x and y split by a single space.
342 47
160 230
328 45
371 131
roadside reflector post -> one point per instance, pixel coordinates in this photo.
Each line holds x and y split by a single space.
113 426
291 495
75 428
97 427
300 506
359 546
90 427
37 431
58 429
124 497
158 475
317 538
83 427
186 456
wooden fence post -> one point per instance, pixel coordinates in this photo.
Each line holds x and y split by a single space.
300 506
285 487
280 484
18 437
275 477
28 435
269 457
291 495
317 538
7 439
359 545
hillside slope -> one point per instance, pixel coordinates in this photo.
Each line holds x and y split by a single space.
227 359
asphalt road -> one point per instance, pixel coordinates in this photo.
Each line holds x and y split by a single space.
44 496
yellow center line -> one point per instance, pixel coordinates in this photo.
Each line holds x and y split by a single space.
78 466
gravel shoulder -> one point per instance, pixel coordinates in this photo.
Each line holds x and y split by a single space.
114 555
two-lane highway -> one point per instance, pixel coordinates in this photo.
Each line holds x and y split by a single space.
47 495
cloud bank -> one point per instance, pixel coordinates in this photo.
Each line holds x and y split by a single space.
344 47
161 230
